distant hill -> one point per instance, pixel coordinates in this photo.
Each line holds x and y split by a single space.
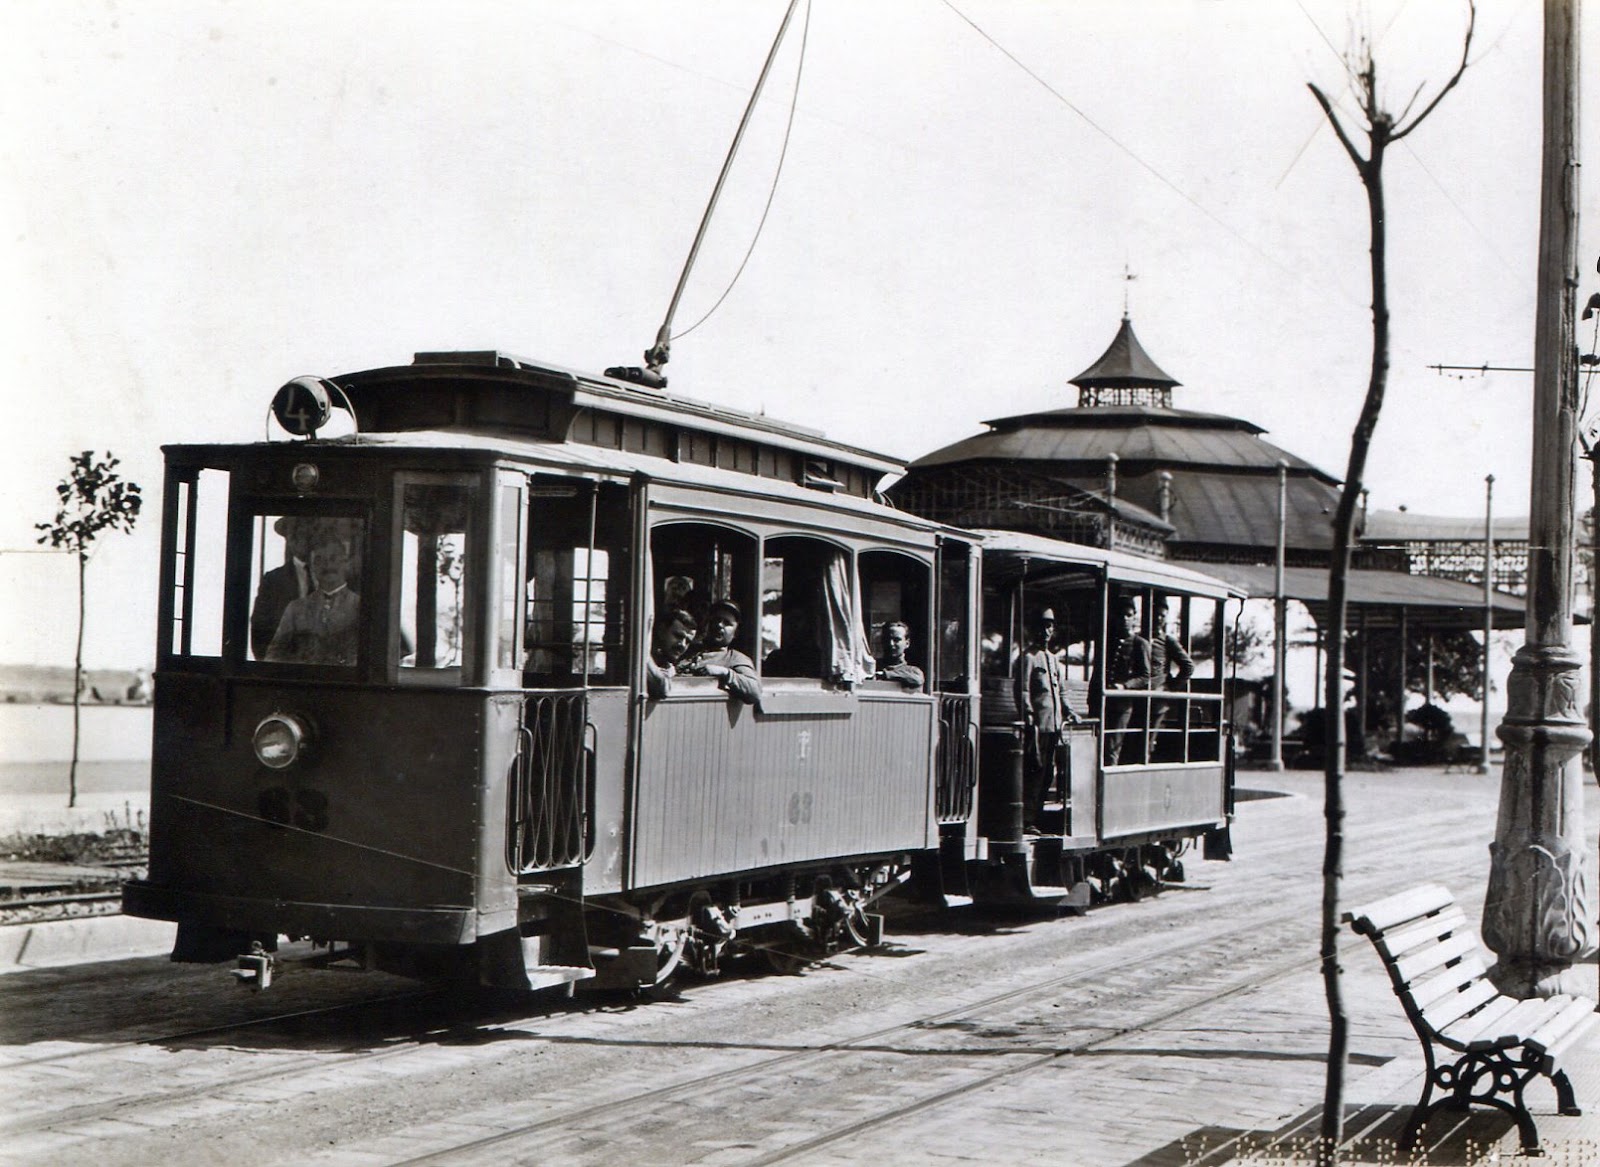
30 684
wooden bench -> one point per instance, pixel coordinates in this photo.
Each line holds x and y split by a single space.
1480 1045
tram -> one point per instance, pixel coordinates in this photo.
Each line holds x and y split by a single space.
409 701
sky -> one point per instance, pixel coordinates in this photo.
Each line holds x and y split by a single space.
204 198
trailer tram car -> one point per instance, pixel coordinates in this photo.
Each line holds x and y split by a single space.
404 704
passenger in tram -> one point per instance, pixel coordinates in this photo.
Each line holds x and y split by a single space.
894 666
1042 698
715 656
1170 668
674 630
320 628
1130 668
283 585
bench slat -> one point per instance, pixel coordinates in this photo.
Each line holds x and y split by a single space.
1409 968
1401 940
1397 909
1577 1012
1547 1058
1451 980
1515 1026
1466 1030
1478 994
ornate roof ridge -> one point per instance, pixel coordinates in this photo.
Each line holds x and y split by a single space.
1125 363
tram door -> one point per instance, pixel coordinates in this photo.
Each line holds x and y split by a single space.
570 607
955 669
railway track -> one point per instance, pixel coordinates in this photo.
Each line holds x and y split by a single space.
955 1053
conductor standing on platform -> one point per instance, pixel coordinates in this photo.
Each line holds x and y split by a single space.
1043 702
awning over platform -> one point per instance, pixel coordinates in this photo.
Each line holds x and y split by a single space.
1427 600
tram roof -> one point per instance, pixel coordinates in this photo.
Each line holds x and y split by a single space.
1118 565
622 464
392 398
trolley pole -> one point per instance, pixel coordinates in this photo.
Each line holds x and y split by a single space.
1537 910
1280 621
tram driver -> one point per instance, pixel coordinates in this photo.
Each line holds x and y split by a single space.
715 656
320 627
282 585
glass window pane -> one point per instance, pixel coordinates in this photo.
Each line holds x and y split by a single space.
434 577
508 644
199 576
306 576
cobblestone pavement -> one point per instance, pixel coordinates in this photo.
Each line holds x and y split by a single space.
1189 1028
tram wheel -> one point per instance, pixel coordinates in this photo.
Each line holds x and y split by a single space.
783 961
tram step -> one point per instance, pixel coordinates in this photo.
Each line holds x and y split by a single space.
548 976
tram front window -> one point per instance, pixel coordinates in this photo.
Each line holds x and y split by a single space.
435 580
306 607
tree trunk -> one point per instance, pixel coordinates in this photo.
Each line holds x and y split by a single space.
77 684
1333 689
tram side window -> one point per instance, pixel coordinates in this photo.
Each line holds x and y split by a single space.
954 592
575 621
894 590
1205 618
810 618
436 584
197 560
695 565
306 572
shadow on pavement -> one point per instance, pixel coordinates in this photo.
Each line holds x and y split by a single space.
1371 1136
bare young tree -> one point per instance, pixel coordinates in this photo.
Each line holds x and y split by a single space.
1382 130
93 499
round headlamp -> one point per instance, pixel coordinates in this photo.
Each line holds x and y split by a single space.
279 740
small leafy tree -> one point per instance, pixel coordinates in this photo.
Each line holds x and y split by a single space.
93 499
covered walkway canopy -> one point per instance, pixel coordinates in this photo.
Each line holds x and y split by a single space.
1426 601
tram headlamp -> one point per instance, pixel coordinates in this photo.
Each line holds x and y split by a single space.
279 740
305 477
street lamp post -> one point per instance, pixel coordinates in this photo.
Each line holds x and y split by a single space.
1280 620
1536 913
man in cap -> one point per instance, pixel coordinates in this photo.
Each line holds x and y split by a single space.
735 672
1042 698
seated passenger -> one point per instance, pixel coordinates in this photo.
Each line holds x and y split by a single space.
893 666
716 656
674 630
320 628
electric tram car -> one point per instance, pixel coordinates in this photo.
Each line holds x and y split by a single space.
406 704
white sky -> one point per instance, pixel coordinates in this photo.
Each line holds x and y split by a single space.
202 199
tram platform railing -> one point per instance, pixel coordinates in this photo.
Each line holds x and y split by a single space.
551 789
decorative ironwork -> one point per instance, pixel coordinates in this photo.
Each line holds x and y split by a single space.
551 794
957 772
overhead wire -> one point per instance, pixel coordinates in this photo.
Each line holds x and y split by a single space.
1121 145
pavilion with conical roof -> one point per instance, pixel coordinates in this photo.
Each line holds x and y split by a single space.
1124 456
